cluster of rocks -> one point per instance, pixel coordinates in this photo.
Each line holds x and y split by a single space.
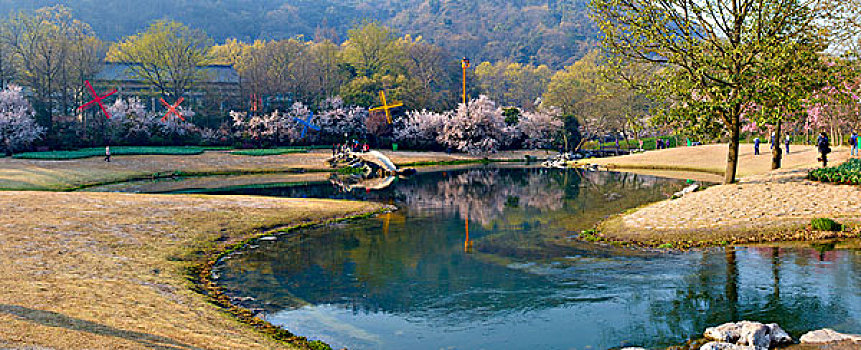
747 335
561 160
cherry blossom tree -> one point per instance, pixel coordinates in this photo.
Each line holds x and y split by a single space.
540 129
477 127
420 129
336 120
18 127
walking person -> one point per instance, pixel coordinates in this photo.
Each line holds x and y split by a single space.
858 145
108 154
787 141
756 146
853 144
824 147
772 142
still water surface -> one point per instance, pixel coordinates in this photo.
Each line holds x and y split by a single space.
481 259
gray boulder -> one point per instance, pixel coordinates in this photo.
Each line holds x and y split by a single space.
725 333
755 334
778 335
750 334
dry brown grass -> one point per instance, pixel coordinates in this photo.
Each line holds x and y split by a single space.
108 271
23 174
711 159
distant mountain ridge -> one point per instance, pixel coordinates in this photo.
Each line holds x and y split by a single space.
551 32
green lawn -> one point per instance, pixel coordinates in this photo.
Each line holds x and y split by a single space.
116 151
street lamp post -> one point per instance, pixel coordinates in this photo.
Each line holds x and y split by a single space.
464 63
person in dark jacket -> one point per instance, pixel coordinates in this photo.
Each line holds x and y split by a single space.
824 147
756 146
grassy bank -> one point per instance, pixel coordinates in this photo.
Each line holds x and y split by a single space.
107 270
116 151
201 274
28 174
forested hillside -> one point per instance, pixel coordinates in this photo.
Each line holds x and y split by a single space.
551 32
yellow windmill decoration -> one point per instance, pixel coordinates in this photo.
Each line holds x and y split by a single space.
386 107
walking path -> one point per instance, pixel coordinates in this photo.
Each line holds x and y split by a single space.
765 205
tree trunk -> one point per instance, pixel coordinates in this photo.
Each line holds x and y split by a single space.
732 156
776 152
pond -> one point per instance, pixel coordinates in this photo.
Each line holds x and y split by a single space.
483 258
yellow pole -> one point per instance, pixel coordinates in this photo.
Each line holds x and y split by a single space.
464 63
464 85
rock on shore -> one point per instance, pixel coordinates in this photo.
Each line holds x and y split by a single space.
827 336
745 335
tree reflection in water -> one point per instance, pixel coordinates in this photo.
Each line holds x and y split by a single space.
523 283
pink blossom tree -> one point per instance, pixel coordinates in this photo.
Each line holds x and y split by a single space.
336 120
477 127
420 129
540 129
18 127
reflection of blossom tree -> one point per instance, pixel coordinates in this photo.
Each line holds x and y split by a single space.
484 194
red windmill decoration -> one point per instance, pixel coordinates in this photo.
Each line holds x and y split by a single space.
171 109
97 100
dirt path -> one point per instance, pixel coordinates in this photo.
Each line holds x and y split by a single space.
108 271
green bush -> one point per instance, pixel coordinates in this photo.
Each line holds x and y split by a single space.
269 151
847 173
825 224
116 151
318 345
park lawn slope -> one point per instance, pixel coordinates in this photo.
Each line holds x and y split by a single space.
772 207
27 174
108 270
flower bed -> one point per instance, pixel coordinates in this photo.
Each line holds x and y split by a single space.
846 173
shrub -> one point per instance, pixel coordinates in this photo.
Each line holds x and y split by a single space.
846 173
269 151
825 224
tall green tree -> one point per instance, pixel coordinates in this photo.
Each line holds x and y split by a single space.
713 51
167 55
52 53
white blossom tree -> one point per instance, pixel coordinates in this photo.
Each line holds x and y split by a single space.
18 127
132 124
420 129
478 127
336 120
540 129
